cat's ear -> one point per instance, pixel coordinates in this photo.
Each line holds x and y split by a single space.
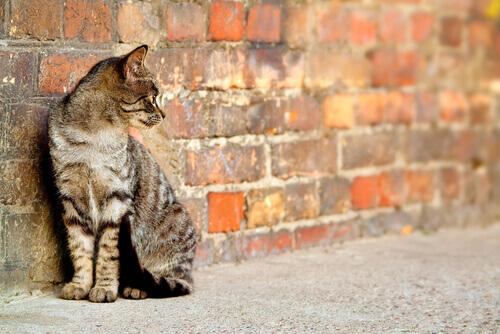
133 67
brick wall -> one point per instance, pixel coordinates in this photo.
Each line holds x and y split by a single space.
291 123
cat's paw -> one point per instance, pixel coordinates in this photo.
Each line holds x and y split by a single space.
74 291
103 294
131 293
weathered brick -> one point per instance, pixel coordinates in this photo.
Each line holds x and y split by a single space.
255 246
453 106
460 6
2 19
227 164
393 26
34 19
267 116
87 20
263 23
451 31
265 207
394 69
422 26
473 146
226 21
194 207
420 185
392 190
370 109
225 211
19 231
204 254
477 187
300 201
226 119
426 107
23 131
365 192
480 33
421 145
185 119
450 183
480 106
59 73
304 114
138 22
369 150
338 111
185 21
20 182
332 25
295 26
16 74
363 29
304 158
325 234
399 107
325 69
334 196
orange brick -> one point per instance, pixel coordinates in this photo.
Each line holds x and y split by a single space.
87 20
370 109
399 107
420 186
263 24
332 25
226 21
339 111
453 106
225 211
363 28
391 188
480 33
422 26
393 27
450 183
365 192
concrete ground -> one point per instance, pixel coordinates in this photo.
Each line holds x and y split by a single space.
447 282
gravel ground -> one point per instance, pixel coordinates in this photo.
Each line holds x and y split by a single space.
447 282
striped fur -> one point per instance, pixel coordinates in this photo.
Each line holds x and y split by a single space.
125 227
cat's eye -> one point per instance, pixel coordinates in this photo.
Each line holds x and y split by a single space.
153 99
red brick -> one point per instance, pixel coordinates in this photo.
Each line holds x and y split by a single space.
480 33
185 119
453 106
325 69
295 26
250 247
422 26
407 67
226 21
263 23
304 114
460 6
384 64
392 188
332 25
451 31
132 25
338 111
87 20
363 28
334 196
369 150
185 21
473 147
265 207
267 116
399 107
450 183
480 106
227 164
59 73
393 27
194 207
16 73
312 236
478 6
365 192
304 158
33 19
300 201
225 211
227 119
370 109
420 185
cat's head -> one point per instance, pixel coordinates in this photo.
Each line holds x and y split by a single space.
140 96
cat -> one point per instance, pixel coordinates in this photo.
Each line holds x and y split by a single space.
124 224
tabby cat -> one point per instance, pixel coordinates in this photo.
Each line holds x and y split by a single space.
126 230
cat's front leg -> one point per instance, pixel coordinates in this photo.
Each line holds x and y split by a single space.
81 245
107 268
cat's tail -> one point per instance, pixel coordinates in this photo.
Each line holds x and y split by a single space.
163 287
